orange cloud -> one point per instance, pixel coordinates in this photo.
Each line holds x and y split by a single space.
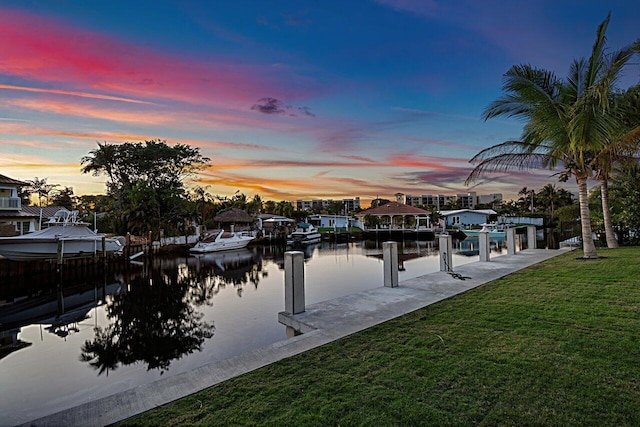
27 129
316 186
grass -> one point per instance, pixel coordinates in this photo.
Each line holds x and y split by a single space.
554 344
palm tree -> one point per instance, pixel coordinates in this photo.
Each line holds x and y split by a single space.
568 122
525 192
101 160
609 117
202 200
541 98
42 189
105 160
255 205
549 197
618 149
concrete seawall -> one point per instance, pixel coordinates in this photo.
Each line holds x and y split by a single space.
320 324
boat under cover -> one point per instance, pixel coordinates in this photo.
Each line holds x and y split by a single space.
74 238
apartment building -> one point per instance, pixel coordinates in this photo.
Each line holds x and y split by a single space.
349 205
464 200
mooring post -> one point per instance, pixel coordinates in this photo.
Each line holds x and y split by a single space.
59 291
294 282
104 266
531 237
390 260
446 258
150 247
127 245
483 244
511 241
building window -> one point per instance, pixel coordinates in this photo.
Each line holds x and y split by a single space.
25 228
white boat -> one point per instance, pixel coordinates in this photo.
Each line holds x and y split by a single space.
223 241
494 230
65 233
305 233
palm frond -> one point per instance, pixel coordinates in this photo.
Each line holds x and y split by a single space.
507 147
525 88
507 161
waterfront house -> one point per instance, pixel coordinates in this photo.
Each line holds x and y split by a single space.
465 218
335 222
395 215
13 220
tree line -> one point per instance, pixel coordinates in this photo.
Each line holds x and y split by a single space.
146 190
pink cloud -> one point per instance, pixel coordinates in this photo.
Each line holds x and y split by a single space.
229 163
71 93
25 128
60 53
88 110
423 162
141 115
28 130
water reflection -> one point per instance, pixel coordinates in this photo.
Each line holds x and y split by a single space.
471 246
407 250
153 322
210 273
61 311
158 318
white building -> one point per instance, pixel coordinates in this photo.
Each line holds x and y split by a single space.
337 222
13 221
466 217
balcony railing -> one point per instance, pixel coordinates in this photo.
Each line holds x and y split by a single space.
10 203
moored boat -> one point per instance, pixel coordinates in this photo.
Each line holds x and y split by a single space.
495 231
305 233
223 241
65 235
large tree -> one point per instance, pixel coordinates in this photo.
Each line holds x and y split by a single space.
567 122
64 198
625 194
147 181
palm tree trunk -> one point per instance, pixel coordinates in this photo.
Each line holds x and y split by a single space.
588 247
612 242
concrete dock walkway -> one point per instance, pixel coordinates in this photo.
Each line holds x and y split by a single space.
321 323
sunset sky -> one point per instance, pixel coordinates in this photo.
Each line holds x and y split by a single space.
290 99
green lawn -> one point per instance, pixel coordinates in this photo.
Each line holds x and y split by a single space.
554 344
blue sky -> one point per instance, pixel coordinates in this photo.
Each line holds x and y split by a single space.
290 99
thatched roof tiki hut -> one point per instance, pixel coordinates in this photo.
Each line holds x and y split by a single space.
234 219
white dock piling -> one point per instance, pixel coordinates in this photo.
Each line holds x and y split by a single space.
446 257
511 241
294 282
531 237
390 259
484 246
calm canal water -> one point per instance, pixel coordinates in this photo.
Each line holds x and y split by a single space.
181 313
